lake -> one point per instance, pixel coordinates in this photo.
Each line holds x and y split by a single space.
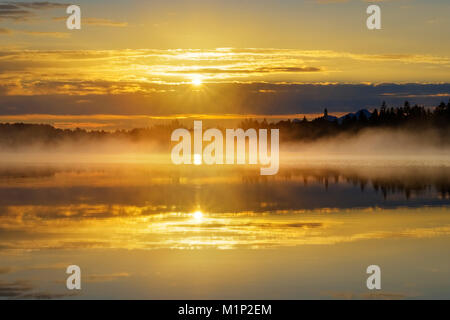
156 231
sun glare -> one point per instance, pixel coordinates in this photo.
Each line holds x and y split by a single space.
198 215
197 81
197 159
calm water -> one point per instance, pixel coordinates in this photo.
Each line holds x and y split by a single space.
165 232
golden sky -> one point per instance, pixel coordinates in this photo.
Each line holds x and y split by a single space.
144 53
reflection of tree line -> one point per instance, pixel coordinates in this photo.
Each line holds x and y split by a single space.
392 186
385 181
29 172
408 117
408 181
103 192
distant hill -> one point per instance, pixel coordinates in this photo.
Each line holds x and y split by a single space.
353 115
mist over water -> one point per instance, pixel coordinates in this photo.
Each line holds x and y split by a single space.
427 147
376 144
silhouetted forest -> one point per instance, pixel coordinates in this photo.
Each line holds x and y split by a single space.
407 117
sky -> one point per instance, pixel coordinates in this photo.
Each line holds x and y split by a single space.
134 61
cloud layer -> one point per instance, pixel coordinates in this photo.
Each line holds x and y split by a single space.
22 11
235 81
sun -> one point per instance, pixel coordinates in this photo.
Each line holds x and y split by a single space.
197 81
198 215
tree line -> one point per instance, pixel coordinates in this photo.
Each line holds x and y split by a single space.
406 117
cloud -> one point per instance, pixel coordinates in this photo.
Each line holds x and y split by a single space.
265 225
5 270
104 22
46 295
218 65
134 69
15 288
36 4
346 1
7 6
58 35
368 296
22 11
236 80
18 15
420 95
274 69
5 31
384 296
331 1
93 278
165 100
97 22
23 289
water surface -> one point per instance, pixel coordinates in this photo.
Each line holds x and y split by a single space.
166 232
